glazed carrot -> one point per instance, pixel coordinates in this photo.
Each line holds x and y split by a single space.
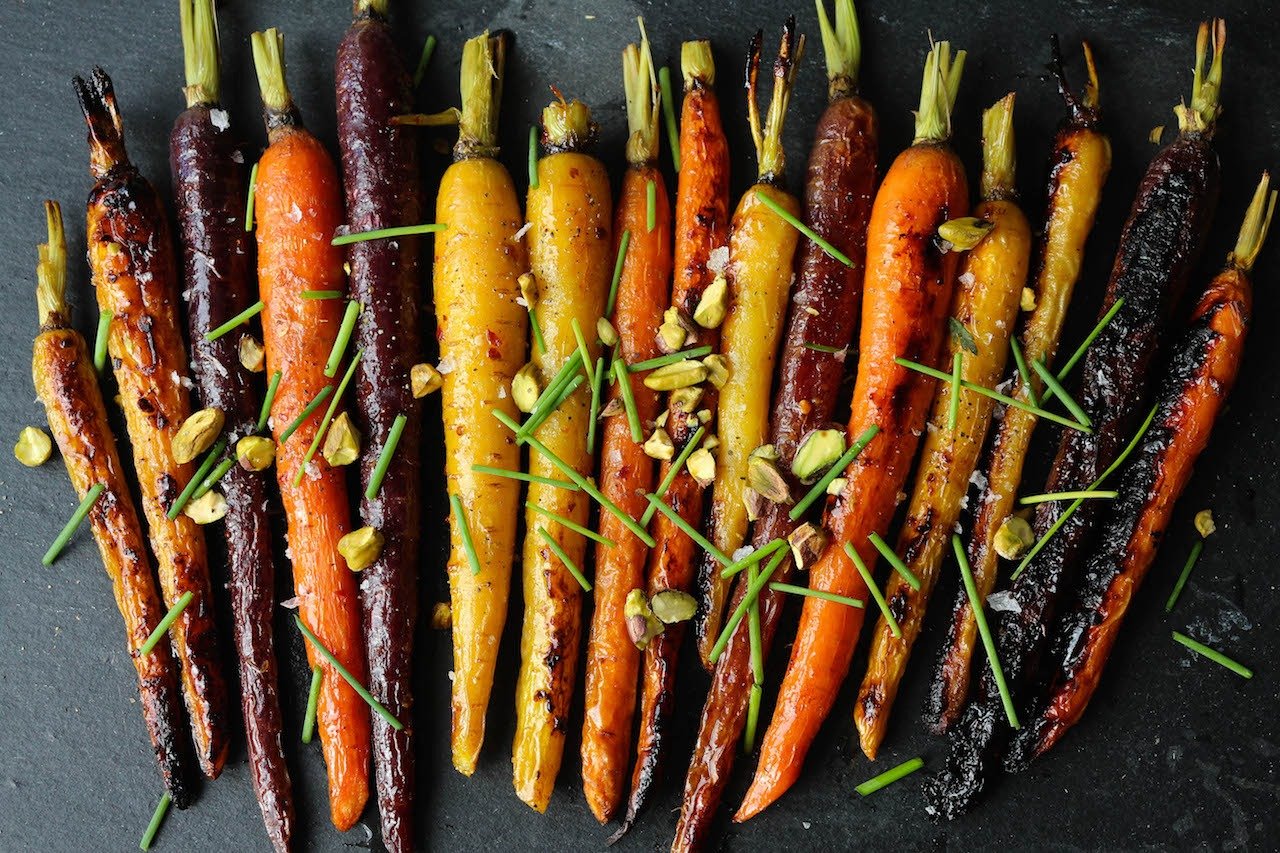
986 304
136 279
906 293
482 332
701 254
67 385
298 205
626 472
569 253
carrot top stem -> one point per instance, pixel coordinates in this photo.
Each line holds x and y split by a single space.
567 126
644 100
998 153
484 59
842 46
200 51
1253 232
51 271
938 93
697 65
97 99
1201 116
370 7
268 61
1084 110
768 141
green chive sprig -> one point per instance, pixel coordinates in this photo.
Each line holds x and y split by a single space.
953 410
977 606
820 488
751 595
162 627
1025 375
588 364
272 387
670 477
803 229
464 531
539 341
1089 339
428 48
248 203
669 113
808 592
193 485
384 458
306 412
612 301
339 348
650 206
994 395
536 420
239 320
77 517
888 777
157 818
822 348
876 594
533 157
570 524
689 530
347 676
528 478
753 717
387 233
565 559
669 358
1213 655
1055 387
594 412
328 417
214 477
628 401
1085 494
756 646
1192 559
313 700
753 558
322 294
891 557
100 341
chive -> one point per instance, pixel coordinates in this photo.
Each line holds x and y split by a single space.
347 676
612 301
538 340
670 477
752 593
570 524
193 485
535 423
248 204
594 414
1051 382
322 294
382 233
100 342
888 777
754 557
953 412
328 417
1066 496
1021 362
1079 353
670 358
384 458
313 699
305 413
565 559
629 401
344 337
669 113
803 229
891 557
587 364
822 348
212 480
428 48
240 319
163 625
1213 655
552 396
816 593
528 478
873 589
753 717
157 818
1192 558
703 542
820 487
272 387
86 504
464 531
581 481
977 605
650 206
757 661
533 157
994 395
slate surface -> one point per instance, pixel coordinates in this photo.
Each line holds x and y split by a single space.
1175 753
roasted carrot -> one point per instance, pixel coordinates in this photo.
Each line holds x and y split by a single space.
906 293
838 190
210 187
67 385
380 175
626 472
136 279
701 254
986 304
298 206
1201 374
1159 248
1078 167
569 210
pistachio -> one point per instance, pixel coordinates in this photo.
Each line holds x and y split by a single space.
642 625
1028 302
717 369
672 334
341 442
754 503
207 508
681 374
255 452
360 548
252 356
33 447
424 379
524 388
704 416
672 606
764 477
711 442
702 466
686 399
836 486
606 332
441 616
614 407
659 445
713 305
1014 537
766 451
196 435
528 289
964 233
1204 523
807 542
818 451
661 419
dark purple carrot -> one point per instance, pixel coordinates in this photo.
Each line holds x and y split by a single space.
210 180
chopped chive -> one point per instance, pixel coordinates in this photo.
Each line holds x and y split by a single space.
1192 558
822 348
977 606
1066 496
757 658
157 818
891 557
428 48
570 524
163 625
1020 360
193 485
876 594
384 458
212 480
994 395
347 676
535 422
888 777
528 478
1213 655
464 531
240 319
612 301
539 341
100 342
383 233
593 414
272 387
669 358
587 364
322 294
650 206
248 204
565 559
689 530
753 717
669 113
803 229
552 396
628 401
1055 387
816 593
953 411
328 417
676 465
86 504
753 558
1097 330
339 348
307 412
751 595
820 488
313 699
579 480
533 157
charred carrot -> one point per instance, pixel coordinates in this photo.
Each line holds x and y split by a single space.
67 385
299 208
986 304
136 279
906 293
626 472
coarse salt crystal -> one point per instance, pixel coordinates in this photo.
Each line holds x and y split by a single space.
718 260
219 119
445 366
1003 602
743 552
524 229
966 279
